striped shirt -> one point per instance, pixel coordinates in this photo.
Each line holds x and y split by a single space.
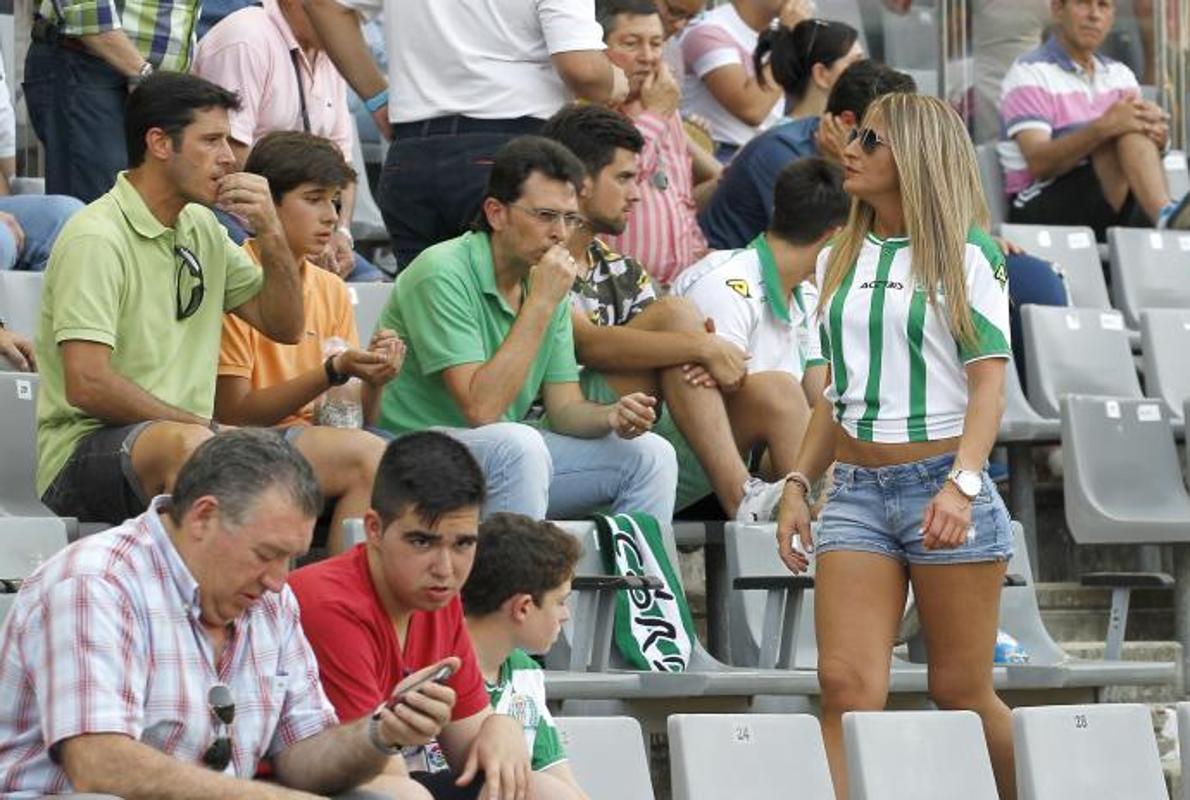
896 370
106 638
741 291
1046 91
163 31
663 232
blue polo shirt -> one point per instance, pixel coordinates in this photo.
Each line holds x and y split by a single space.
742 205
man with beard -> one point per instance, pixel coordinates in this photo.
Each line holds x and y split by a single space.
632 342
133 306
486 323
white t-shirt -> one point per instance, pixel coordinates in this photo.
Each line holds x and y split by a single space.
896 371
488 59
741 291
719 38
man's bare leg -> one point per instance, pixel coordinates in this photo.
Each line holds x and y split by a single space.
344 462
770 409
1140 161
160 451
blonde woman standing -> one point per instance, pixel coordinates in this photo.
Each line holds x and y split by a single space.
914 321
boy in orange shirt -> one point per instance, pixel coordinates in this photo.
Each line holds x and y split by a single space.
264 383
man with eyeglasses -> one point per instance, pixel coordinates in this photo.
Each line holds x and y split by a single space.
486 322
164 658
133 305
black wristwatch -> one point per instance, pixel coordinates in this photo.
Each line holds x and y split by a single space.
333 377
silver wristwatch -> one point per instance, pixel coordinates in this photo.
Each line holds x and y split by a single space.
968 481
377 742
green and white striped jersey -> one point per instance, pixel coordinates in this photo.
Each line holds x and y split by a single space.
519 692
896 371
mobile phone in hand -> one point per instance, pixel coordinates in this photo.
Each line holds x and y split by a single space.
440 675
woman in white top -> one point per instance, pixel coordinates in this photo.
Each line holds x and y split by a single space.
913 318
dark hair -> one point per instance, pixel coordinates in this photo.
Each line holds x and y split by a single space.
290 158
238 467
863 82
606 12
431 472
517 160
808 200
168 100
517 555
593 133
793 52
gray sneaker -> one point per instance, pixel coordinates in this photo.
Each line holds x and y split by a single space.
760 501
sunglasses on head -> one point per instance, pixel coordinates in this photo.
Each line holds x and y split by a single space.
223 709
817 25
869 140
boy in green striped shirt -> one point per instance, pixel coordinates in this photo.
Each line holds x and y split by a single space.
515 604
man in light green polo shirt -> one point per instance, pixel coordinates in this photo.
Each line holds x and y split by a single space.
486 323
133 304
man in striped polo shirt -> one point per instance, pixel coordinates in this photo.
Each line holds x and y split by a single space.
1081 147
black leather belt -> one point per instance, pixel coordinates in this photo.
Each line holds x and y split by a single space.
456 124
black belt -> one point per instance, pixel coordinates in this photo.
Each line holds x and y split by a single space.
46 32
456 124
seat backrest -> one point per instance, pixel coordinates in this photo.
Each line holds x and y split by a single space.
368 301
1148 270
1020 615
926 755
18 445
992 177
1073 249
20 300
28 543
1020 422
1177 180
717 756
1121 472
1076 351
751 553
1165 342
367 225
1089 752
607 755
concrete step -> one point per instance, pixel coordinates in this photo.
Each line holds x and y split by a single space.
1075 613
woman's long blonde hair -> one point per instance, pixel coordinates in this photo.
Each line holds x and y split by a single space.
941 200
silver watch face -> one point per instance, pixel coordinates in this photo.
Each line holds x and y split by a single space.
969 483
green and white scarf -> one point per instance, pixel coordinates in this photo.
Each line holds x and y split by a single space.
653 630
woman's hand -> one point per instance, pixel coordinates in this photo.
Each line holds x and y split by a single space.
793 518
947 521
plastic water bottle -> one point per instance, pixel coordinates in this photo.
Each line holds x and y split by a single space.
339 406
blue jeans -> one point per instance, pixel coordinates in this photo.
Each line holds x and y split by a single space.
364 272
546 475
76 106
1033 281
40 217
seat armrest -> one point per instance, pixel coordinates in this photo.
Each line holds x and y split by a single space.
1128 580
590 583
1013 579
770 582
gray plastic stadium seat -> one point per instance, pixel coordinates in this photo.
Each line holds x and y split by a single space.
367 225
1073 249
1177 179
1165 343
926 755
27 543
992 178
911 39
368 301
1076 351
754 756
1122 477
1020 422
1088 752
594 744
1184 746
20 300
1148 270
18 445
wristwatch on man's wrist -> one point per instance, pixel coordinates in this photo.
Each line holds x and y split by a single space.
377 742
968 481
146 69
333 376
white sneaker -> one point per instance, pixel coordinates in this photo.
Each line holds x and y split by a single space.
760 501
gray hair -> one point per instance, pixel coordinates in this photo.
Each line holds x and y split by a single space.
238 467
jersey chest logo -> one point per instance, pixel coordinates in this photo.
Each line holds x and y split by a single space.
740 287
882 285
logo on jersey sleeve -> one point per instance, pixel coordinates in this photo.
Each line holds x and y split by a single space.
740 287
1000 272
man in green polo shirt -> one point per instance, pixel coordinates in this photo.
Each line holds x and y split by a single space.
631 341
486 323
132 308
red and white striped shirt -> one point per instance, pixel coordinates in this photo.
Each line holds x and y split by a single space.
106 638
663 233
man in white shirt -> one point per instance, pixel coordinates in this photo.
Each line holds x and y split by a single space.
467 84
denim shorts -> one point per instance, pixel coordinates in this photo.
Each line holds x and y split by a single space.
98 483
879 510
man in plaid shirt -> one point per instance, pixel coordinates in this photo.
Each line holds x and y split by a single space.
84 58
164 659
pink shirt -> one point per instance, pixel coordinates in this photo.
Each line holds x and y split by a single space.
663 232
250 52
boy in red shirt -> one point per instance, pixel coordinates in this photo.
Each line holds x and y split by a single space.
390 607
